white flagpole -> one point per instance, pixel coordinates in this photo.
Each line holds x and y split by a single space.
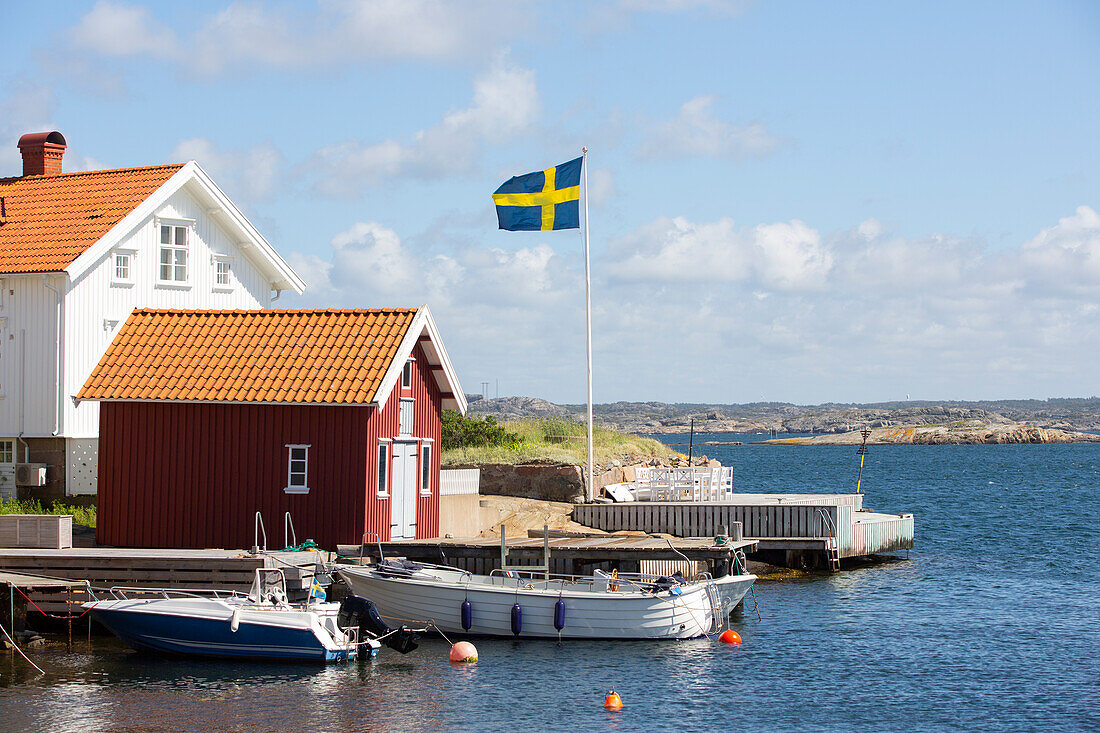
588 319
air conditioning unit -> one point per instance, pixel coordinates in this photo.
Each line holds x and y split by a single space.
30 474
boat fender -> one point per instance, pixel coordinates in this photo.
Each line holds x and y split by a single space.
235 620
517 618
559 615
467 615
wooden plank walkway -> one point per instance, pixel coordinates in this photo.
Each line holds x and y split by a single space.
105 567
795 522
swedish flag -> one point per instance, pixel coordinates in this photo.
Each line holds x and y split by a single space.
543 200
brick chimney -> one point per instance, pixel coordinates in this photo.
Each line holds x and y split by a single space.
42 152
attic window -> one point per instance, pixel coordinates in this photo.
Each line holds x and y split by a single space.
407 375
122 267
172 264
223 269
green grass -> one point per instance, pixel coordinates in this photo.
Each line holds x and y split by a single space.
557 440
81 514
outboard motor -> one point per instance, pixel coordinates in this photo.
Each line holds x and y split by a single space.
361 613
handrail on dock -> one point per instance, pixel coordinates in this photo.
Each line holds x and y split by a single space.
257 529
290 537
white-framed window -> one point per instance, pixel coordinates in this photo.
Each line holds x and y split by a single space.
406 421
407 374
223 272
297 469
426 470
172 260
7 451
122 267
383 469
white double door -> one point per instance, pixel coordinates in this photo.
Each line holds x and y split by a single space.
403 510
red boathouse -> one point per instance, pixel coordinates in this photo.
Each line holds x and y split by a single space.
209 416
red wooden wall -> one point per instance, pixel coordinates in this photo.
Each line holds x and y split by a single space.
427 423
195 474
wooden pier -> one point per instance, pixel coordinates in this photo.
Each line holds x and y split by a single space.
104 567
816 530
568 555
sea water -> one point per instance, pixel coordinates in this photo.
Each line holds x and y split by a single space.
992 623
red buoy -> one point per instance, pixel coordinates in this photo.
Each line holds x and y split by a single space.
729 636
613 701
463 652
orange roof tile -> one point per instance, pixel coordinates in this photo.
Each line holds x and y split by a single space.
295 356
46 222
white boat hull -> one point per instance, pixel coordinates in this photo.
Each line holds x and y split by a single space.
697 608
217 628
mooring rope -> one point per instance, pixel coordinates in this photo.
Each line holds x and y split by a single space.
16 647
51 615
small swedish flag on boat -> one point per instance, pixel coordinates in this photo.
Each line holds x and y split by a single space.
542 200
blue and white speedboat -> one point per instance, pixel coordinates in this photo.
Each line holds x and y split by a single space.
260 625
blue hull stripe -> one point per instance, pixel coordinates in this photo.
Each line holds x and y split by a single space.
214 638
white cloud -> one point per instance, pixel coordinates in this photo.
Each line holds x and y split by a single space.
783 256
1066 256
697 132
118 29
26 108
774 311
289 36
505 103
245 175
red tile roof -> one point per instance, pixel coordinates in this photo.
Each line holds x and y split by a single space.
46 222
292 356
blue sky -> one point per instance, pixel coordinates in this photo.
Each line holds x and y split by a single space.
790 201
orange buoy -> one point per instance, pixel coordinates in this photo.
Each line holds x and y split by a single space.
613 701
463 652
729 636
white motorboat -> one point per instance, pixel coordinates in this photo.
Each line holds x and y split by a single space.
537 604
260 625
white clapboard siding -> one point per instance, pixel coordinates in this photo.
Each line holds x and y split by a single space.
96 305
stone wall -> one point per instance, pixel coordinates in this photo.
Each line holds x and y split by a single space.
553 481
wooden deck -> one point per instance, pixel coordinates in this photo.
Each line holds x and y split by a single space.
795 522
568 555
105 567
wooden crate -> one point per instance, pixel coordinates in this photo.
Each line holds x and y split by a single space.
46 531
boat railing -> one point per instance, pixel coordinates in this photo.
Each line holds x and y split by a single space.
124 592
536 579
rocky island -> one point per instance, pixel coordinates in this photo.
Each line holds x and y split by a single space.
1054 420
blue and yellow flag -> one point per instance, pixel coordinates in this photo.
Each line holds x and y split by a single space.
543 200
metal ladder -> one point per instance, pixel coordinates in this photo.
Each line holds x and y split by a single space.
544 568
719 620
832 544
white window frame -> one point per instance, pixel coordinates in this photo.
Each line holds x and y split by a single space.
401 417
406 373
10 450
291 487
426 469
131 257
382 477
215 262
188 225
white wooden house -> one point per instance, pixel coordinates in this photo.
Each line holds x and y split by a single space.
78 253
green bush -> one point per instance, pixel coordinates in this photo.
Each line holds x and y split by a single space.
81 514
470 432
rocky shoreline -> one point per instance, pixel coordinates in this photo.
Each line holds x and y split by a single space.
976 434
641 418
